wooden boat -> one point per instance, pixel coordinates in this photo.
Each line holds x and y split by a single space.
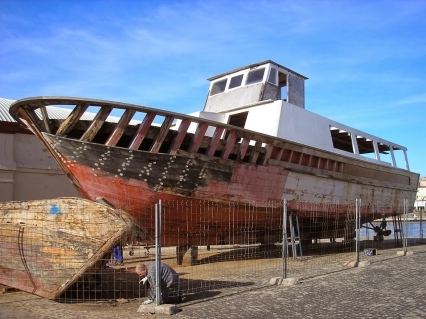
46 245
253 142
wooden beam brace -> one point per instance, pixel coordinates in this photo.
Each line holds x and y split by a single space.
168 121
230 141
142 130
120 128
97 123
269 149
255 152
214 142
177 142
198 137
45 118
243 149
72 119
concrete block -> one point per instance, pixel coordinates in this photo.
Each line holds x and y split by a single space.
289 282
364 263
165 309
400 253
275 281
350 264
409 253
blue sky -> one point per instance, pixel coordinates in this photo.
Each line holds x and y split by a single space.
365 60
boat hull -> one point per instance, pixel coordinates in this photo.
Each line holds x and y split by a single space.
134 181
48 244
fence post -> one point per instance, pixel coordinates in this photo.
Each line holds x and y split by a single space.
357 226
421 222
404 242
158 253
285 245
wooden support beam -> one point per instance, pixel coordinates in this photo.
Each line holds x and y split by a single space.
142 130
255 152
230 141
214 142
279 154
72 119
198 137
32 117
97 123
269 149
177 142
243 149
45 117
168 121
120 128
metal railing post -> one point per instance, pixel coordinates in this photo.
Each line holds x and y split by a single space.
357 226
158 253
404 242
285 245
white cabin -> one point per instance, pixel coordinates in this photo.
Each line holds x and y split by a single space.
269 98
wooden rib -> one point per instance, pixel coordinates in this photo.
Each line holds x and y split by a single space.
45 117
162 134
177 142
268 154
32 117
243 149
120 128
214 142
198 137
230 141
72 119
142 130
97 123
279 154
255 152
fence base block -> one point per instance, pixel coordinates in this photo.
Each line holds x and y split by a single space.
289 282
164 309
364 264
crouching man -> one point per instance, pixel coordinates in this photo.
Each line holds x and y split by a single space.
169 282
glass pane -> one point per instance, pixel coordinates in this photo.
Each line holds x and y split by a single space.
273 76
218 87
255 76
236 81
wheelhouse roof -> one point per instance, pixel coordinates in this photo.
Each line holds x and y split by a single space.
255 65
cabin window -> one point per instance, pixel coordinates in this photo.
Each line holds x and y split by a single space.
236 81
341 139
255 76
365 147
273 76
218 87
238 119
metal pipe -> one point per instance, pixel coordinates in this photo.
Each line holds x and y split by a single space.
357 224
285 244
158 253
404 242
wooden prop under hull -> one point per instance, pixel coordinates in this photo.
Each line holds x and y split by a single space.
46 245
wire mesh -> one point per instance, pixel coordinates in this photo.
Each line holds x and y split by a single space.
89 252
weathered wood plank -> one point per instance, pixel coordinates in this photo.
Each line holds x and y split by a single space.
45 118
142 130
177 142
168 121
255 153
214 142
198 137
97 123
120 128
72 119
230 141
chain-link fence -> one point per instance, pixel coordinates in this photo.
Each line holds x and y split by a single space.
215 247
